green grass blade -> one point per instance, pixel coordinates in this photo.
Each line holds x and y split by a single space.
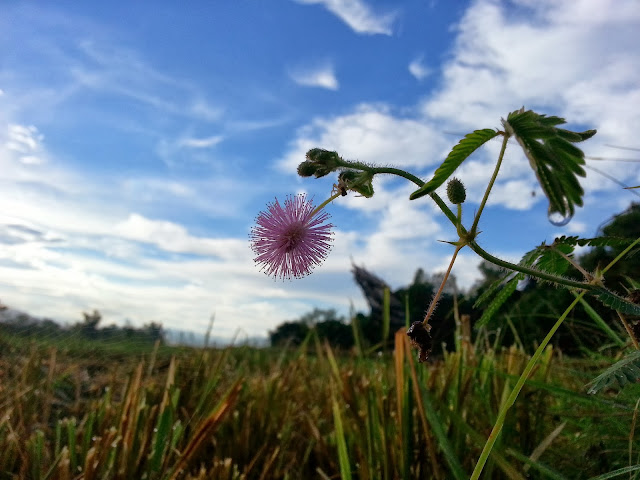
617 473
546 471
386 315
443 441
71 437
343 454
600 322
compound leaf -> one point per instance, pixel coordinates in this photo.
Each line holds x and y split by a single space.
458 154
556 162
617 302
619 374
498 301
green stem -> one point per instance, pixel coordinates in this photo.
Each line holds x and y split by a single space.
474 227
529 271
325 203
446 210
401 173
374 170
493 436
622 254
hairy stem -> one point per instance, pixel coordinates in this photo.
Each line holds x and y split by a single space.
474 227
529 271
446 210
374 170
436 297
629 330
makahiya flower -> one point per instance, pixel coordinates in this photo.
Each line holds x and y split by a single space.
291 241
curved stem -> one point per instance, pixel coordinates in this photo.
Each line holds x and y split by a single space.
493 436
368 168
401 173
446 210
529 271
474 227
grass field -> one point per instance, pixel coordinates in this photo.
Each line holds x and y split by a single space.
93 410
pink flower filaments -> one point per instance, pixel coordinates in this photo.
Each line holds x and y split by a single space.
291 241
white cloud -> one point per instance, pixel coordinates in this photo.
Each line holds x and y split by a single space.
172 237
200 142
370 134
321 75
418 69
358 15
582 70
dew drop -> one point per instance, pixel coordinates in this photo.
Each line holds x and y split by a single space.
558 219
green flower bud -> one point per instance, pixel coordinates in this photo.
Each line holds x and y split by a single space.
360 182
328 160
456 192
306 169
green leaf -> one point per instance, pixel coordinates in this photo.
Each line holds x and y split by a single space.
458 154
619 374
617 302
594 242
552 261
490 291
556 162
497 302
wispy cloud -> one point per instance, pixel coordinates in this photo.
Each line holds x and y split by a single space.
418 69
321 75
358 15
200 142
25 141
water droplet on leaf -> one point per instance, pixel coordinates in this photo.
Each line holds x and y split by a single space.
558 219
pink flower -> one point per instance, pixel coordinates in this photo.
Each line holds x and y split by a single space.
290 241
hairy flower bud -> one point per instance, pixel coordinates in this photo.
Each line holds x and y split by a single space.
323 157
456 192
318 163
360 182
306 169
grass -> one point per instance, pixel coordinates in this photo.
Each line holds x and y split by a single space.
95 410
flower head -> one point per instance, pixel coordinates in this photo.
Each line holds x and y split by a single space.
291 241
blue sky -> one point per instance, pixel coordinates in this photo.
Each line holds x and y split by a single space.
138 141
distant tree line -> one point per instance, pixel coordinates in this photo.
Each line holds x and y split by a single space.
525 318
88 328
